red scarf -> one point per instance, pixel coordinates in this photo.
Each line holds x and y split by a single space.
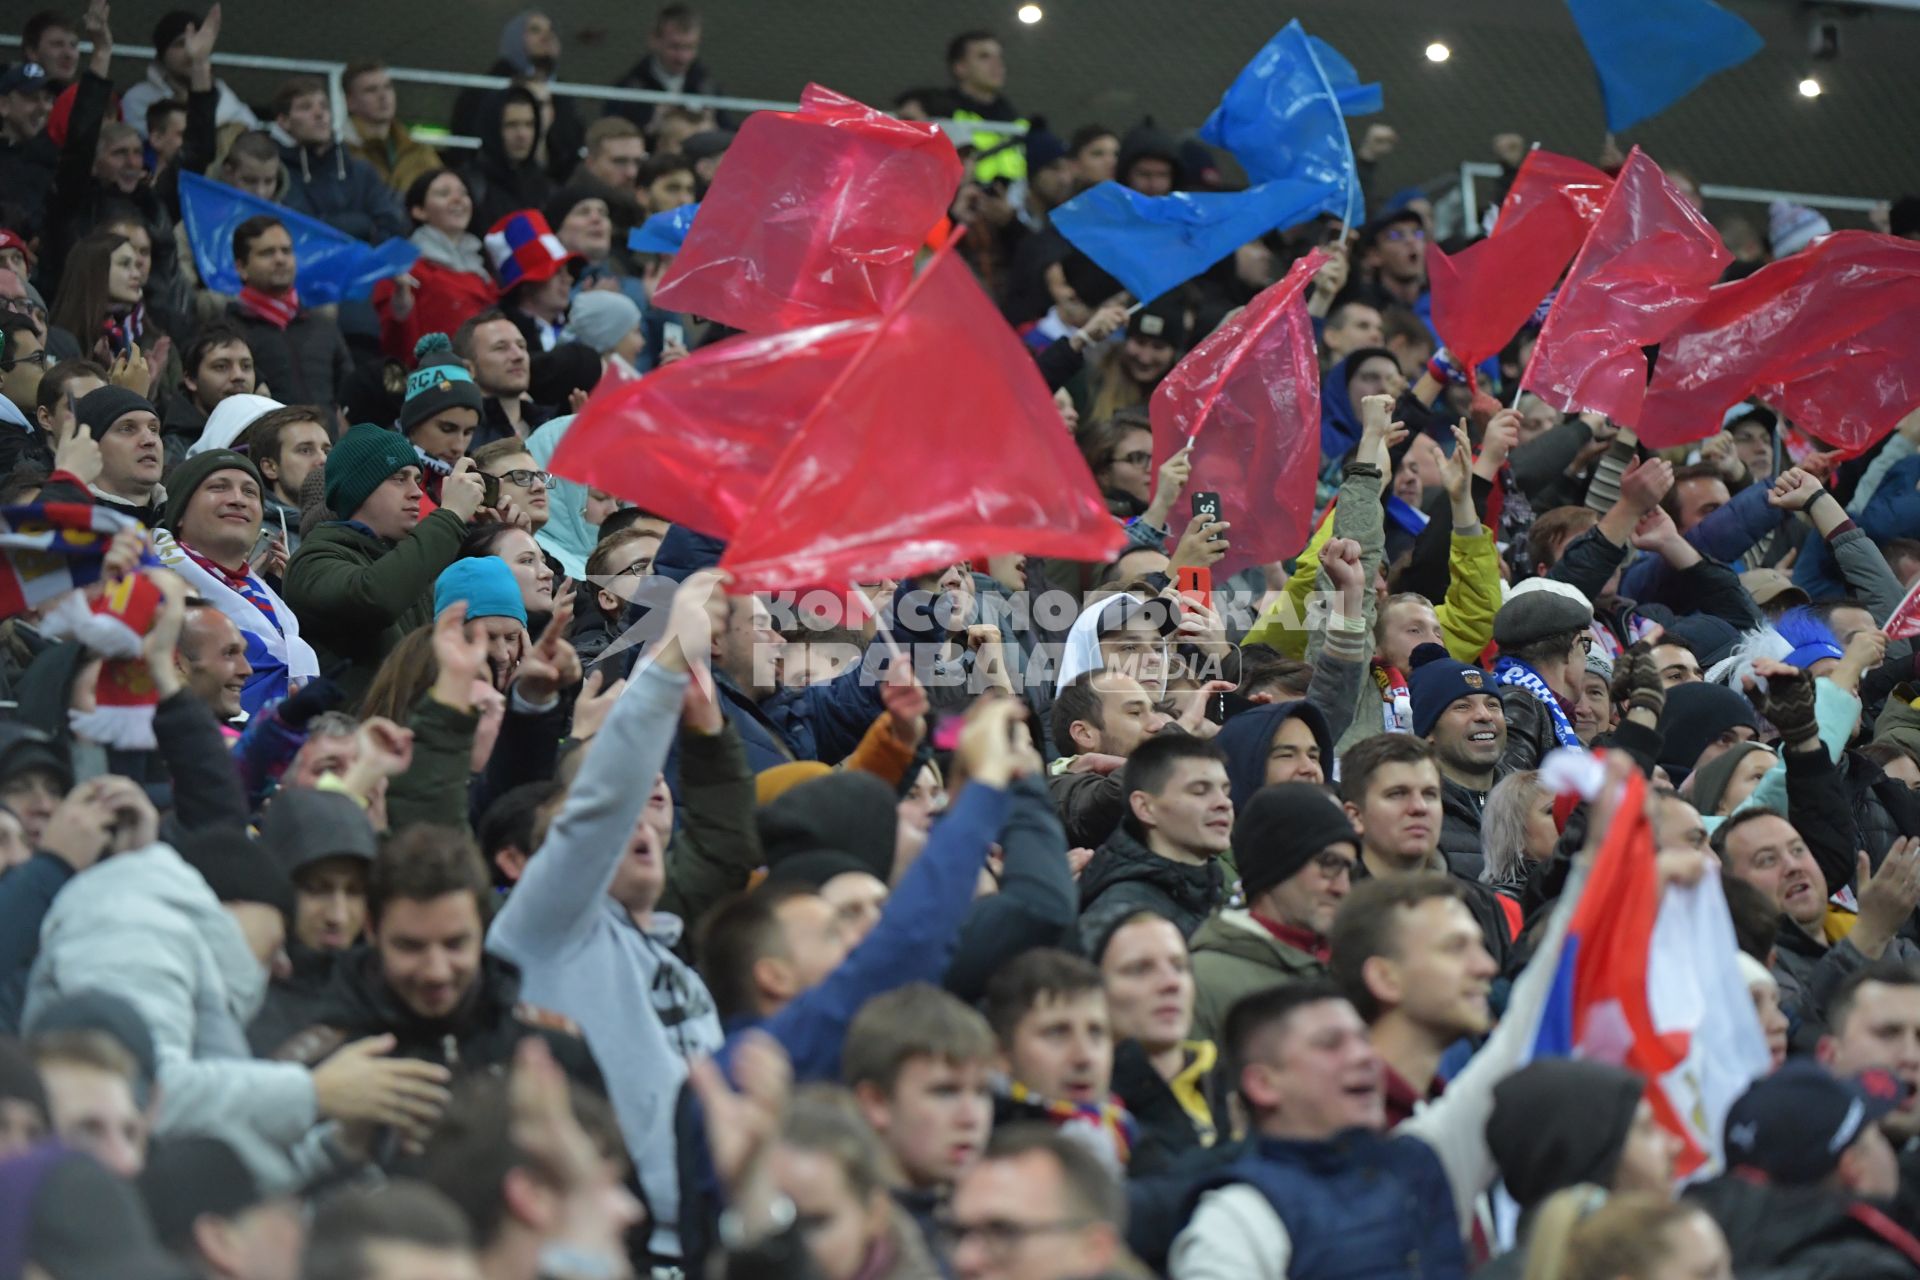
1299 939
278 312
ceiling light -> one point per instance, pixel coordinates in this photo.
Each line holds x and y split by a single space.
1437 52
1810 88
1030 14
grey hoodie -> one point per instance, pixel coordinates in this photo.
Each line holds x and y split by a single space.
146 926
581 954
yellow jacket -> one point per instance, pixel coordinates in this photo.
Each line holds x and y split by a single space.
1466 614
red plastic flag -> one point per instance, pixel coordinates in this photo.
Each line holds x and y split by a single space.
940 441
695 441
1829 336
1904 622
1484 293
814 216
1249 398
1645 268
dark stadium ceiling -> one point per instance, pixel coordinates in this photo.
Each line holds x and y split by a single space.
1516 65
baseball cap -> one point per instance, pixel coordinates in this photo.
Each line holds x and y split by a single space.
1794 1125
1770 586
26 77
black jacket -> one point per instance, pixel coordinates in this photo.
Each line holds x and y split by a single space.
305 363
1166 1131
1808 1233
565 136
295 1002
640 76
1461 808
26 178
480 1038
1037 902
500 186
1124 878
1090 806
1529 730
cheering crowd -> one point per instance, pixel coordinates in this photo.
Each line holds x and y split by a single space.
416 864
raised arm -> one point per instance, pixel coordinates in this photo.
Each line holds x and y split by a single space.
914 940
567 879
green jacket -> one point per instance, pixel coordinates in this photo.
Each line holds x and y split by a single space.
434 787
718 844
1899 722
357 595
1234 956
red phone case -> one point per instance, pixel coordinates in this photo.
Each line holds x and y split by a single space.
1196 583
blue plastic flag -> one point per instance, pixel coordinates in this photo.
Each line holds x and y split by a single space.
329 265
663 232
1152 243
1649 54
1284 116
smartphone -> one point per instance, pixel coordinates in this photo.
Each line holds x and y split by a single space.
1207 503
1196 584
489 490
673 334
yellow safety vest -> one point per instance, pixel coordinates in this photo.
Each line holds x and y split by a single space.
1005 155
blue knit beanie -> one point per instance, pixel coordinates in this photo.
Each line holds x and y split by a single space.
1811 638
487 586
1437 682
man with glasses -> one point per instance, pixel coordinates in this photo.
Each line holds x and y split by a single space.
1038 1206
23 361
1296 850
1393 261
521 478
1543 634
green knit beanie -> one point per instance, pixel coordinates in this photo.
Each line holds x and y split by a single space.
439 382
194 472
361 463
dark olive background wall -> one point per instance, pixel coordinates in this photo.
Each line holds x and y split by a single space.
1517 64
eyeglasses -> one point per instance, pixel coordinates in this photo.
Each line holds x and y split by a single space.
41 358
1135 459
1000 1237
1586 641
1404 233
520 478
1333 865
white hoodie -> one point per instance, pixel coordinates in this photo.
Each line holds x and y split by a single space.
156 88
146 926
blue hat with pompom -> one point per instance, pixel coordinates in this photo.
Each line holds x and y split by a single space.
439 382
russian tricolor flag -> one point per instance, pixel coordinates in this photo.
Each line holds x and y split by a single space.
51 548
1650 981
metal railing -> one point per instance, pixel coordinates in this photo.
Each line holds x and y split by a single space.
1473 170
960 130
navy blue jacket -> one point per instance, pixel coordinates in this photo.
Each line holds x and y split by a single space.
26 892
341 190
1361 1205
